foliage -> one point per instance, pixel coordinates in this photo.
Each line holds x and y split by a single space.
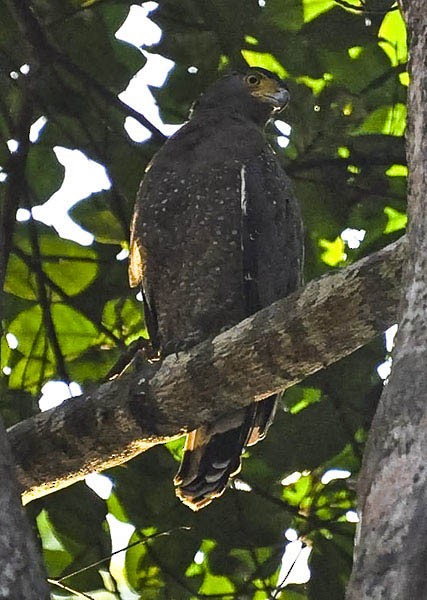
72 312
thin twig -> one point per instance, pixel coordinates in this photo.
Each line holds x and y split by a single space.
15 169
69 589
146 539
281 585
45 303
362 7
109 96
28 260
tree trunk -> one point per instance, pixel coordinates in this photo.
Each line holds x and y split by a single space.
21 573
391 546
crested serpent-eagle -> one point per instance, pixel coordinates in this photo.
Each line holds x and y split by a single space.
216 236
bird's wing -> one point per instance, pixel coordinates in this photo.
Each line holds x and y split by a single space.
137 256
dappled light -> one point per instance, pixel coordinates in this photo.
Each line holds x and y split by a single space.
55 392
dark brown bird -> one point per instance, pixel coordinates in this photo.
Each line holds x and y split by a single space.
216 236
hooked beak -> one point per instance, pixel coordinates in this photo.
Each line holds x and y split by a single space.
279 99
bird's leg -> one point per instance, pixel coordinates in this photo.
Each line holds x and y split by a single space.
139 350
174 347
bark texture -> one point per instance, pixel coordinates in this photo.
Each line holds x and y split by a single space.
268 352
391 549
21 573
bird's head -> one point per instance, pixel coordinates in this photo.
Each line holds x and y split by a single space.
255 94
266 87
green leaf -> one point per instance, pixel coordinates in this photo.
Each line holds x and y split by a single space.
266 61
18 53
348 30
330 568
290 595
123 317
116 508
356 70
295 493
68 265
20 280
27 329
141 571
397 171
92 46
314 8
56 557
77 520
4 150
215 584
285 14
43 171
93 365
75 332
334 254
392 34
94 214
30 373
298 397
389 120
396 220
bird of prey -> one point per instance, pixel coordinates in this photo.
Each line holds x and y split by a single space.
216 236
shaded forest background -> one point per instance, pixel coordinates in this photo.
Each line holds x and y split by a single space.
73 314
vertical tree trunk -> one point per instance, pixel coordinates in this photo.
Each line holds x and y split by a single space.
21 574
391 546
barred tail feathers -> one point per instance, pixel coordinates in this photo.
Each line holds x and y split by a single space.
212 454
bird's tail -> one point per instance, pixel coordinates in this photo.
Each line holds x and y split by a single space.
212 453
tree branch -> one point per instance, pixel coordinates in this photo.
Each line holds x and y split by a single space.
47 54
15 189
268 352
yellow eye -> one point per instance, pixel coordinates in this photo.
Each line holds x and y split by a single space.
253 79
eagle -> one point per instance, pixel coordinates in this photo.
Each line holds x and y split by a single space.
216 236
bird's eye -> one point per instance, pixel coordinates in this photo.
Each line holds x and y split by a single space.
253 79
